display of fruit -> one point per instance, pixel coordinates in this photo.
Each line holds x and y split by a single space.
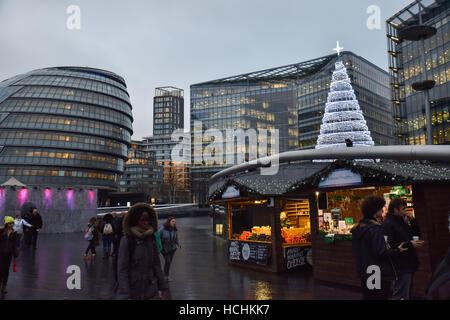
262 230
245 235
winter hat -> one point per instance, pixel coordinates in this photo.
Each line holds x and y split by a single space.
9 219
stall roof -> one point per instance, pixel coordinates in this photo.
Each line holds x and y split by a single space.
387 172
252 183
307 175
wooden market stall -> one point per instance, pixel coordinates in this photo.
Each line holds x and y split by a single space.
339 189
265 230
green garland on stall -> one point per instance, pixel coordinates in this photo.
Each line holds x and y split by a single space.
368 173
338 237
245 191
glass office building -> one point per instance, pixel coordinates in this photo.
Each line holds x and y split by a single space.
168 110
175 182
290 99
65 126
405 64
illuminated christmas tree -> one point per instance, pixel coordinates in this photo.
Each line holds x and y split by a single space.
343 118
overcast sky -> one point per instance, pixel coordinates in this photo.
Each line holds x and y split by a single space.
153 43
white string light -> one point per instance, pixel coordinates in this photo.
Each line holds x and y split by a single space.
343 118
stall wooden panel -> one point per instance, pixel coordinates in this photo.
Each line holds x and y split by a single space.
334 262
432 207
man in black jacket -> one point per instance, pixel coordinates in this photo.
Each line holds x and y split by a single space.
35 220
400 226
371 251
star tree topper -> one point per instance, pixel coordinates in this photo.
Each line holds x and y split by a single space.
338 48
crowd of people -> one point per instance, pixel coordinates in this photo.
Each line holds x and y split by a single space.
135 243
11 240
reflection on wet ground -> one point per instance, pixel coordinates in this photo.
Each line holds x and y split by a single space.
199 270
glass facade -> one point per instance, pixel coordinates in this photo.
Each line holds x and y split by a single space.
175 187
141 174
168 110
405 63
290 99
65 126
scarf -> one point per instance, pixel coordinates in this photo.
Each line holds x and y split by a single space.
141 233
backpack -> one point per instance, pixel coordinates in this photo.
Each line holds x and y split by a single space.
107 229
88 234
158 241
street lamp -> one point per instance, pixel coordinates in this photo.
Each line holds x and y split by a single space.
421 32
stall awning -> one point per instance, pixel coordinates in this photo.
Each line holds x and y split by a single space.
389 173
253 184
308 175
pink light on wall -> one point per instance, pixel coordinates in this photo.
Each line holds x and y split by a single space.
47 198
2 201
69 199
91 196
22 196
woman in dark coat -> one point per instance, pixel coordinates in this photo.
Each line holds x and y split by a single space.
139 269
8 250
170 243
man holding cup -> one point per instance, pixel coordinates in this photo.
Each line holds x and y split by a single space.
400 226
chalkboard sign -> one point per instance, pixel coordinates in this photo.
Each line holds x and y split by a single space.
249 252
296 257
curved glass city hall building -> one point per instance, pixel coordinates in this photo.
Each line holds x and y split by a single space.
64 126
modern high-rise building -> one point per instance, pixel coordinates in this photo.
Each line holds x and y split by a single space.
65 126
168 110
406 68
290 99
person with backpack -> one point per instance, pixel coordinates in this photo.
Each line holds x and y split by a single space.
372 251
401 227
91 235
169 241
8 250
107 234
139 272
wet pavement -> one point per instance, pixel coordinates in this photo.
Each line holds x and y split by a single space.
199 271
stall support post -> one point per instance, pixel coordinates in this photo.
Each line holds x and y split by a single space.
229 220
314 221
313 214
277 250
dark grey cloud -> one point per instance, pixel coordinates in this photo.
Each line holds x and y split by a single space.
181 42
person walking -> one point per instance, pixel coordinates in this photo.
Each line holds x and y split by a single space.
400 226
118 233
139 268
92 236
19 223
8 250
35 220
169 241
107 234
371 250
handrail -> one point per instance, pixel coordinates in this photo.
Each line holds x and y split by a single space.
395 152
